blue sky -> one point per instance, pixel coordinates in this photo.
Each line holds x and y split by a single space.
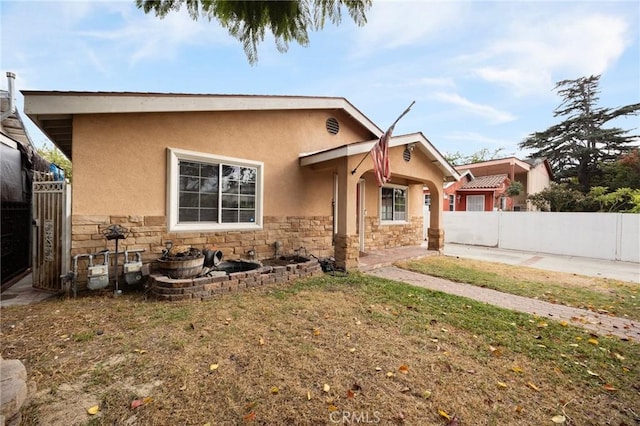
482 73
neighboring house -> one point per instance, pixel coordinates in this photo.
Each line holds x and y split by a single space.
534 174
483 185
246 174
18 160
470 193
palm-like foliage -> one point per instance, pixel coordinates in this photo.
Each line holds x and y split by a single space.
248 21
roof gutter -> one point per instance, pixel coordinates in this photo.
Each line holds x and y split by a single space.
12 101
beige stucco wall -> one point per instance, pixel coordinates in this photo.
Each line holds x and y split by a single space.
538 179
120 159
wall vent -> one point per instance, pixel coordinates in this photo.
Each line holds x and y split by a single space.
333 126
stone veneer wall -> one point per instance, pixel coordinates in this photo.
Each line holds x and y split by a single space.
379 237
205 288
149 233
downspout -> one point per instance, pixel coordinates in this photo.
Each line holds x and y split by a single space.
12 102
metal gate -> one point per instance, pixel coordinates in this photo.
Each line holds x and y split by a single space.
51 236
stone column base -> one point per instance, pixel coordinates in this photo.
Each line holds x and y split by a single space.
436 238
347 251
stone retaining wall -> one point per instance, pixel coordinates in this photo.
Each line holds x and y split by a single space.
149 233
205 288
378 237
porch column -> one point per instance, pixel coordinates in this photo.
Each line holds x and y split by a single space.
347 243
435 233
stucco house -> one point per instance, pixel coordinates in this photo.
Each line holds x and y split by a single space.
242 173
491 180
484 193
533 173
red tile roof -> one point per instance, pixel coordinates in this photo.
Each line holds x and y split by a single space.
492 181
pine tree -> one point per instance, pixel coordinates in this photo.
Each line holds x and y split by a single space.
247 21
577 146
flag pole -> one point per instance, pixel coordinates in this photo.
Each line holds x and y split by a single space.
353 172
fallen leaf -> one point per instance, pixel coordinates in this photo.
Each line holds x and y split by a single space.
147 400
558 419
136 403
378 369
213 367
249 417
332 408
564 323
495 351
350 394
591 373
308 396
352 350
316 332
274 390
593 341
93 410
426 394
326 388
444 414
501 385
140 351
542 325
619 357
404 369
532 386
517 369
261 341
390 374
609 387
405 389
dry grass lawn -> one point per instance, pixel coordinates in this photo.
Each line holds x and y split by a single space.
607 296
319 352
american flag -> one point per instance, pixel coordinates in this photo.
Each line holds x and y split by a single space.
380 156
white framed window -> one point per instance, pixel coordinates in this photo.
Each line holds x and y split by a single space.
393 203
207 192
475 203
452 203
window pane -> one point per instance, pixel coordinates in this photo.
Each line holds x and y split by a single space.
201 186
248 188
208 215
209 200
189 199
247 216
247 201
229 201
386 206
229 216
209 184
188 215
400 204
189 183
189 169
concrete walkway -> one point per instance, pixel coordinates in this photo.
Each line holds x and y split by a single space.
624 271
598 323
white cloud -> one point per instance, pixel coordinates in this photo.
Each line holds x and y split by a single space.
535 51
494 115
392 25
473 137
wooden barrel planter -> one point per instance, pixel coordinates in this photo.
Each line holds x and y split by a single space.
181 268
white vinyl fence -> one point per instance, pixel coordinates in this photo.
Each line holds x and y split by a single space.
609 236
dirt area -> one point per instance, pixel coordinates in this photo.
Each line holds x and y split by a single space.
319 352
